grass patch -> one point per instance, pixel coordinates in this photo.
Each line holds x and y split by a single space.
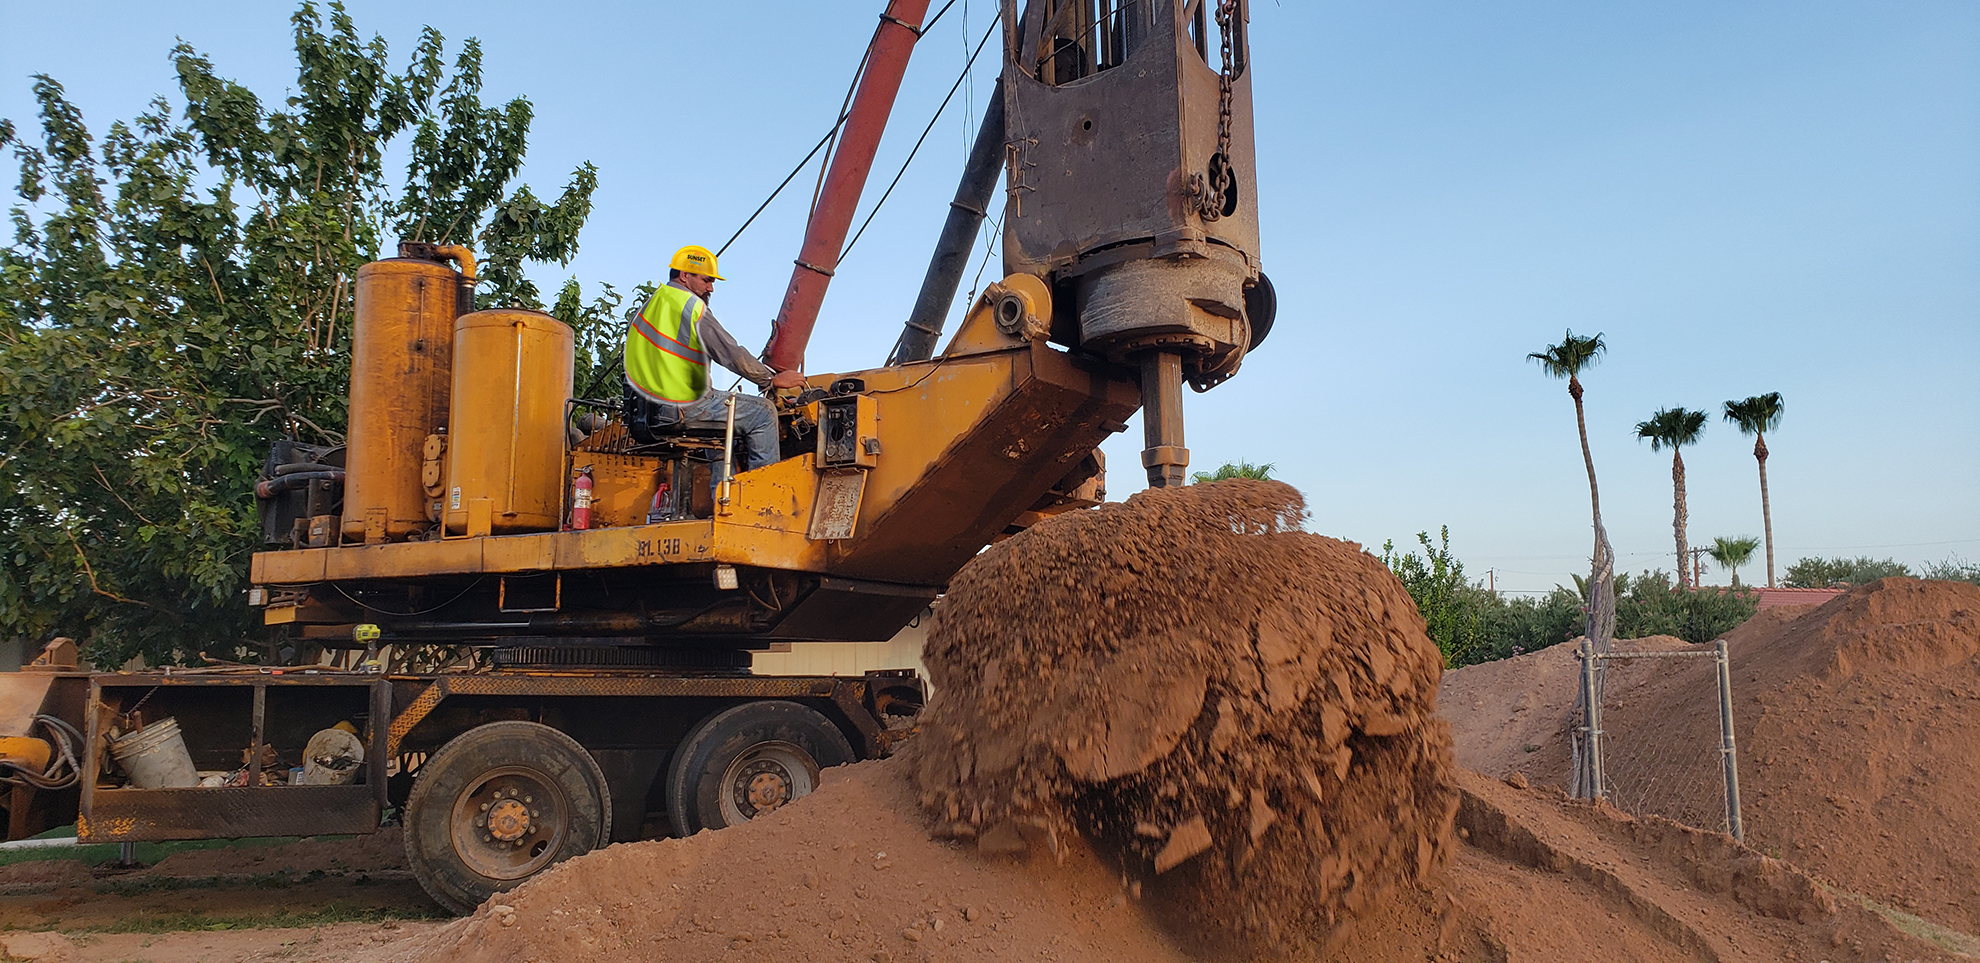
150 854
1943 937
138 885
335 911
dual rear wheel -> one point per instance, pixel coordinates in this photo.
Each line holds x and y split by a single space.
507 800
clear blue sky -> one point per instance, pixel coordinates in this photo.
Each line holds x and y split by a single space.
1743 197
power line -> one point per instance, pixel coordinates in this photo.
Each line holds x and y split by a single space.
870 215
1865 548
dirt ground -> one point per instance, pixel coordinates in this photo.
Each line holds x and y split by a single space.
1856 724
1856 721
337 897
853 873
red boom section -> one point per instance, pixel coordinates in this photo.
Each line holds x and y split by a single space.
886 63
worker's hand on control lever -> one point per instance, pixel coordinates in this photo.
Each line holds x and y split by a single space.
787 379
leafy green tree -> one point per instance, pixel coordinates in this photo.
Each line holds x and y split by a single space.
1756 416
1731 553
1243 469
1450 605
182 291
1568 360
1513 626
1675 428
1842 572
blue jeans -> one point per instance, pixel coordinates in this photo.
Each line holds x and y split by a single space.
755 420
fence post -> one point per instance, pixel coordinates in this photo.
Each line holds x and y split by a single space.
1726 745
1591 724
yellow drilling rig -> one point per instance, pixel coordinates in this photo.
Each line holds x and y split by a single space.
523 621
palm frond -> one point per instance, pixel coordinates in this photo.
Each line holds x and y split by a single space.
1756 415
1672 428
1733 552
1571 357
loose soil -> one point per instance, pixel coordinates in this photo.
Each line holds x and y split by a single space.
1200 688
216 904
1856 723
1185 683
853 872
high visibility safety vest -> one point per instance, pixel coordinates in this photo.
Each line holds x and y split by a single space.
664 357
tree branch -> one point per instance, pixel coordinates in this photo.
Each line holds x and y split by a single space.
120 499
98 589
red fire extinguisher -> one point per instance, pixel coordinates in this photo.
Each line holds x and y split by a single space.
581 500
662 509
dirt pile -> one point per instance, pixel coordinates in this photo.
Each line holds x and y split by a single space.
1856 721
1205 692
852 873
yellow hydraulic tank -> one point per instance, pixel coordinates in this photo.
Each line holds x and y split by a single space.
505 456
401 370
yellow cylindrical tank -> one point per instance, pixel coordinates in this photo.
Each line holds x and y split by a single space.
401 372
512 378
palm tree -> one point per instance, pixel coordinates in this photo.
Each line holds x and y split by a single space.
1731 553
1675 428
1243 469
1568 360
1755 416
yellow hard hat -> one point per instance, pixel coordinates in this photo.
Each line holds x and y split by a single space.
696 259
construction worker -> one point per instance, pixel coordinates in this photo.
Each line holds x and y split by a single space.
668 346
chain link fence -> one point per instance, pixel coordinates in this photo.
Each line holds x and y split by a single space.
1661 760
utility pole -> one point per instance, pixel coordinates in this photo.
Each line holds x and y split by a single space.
1697 568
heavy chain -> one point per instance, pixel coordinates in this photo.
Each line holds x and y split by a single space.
1226 11
1213 191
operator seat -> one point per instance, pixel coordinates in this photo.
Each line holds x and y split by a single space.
656 428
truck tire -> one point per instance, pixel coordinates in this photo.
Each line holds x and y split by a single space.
747 760
499 804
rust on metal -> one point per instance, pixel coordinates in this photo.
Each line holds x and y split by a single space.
121 815
838 200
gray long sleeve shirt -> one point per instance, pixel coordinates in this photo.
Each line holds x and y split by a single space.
723 349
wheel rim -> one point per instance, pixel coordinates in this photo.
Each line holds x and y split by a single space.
765 778
510 822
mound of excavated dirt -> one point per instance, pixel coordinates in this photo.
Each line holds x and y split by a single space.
1856 721
852 873
1204 691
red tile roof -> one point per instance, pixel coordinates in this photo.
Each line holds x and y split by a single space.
1773 597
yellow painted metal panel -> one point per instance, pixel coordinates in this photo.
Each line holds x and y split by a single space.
518 553
776 497
293 567
512 378
622 486
935 404
689 540
403 559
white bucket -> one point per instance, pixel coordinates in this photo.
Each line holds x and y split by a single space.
156 757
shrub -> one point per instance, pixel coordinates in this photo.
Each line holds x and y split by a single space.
1471 625
1651 605
1953 569
1839 572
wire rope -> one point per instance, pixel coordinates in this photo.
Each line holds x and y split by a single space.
870 215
